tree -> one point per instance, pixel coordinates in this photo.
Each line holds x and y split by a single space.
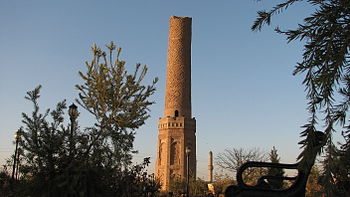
117 99
329 164
45 150
313 188
62 160
232 159
342 174
177 185
5 180
275 183
197 187
221 182
335 177
325 64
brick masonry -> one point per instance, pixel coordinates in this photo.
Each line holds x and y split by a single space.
177 129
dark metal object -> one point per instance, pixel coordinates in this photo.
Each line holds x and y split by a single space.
73 115
188 151
17 137
19 150
263 189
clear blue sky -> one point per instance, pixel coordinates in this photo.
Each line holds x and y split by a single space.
243 91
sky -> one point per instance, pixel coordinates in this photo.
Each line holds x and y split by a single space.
243 92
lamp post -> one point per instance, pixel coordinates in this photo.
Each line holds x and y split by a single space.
188 152
17 138
19 152
73 115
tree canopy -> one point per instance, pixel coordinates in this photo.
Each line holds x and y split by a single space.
231 159
325 59
118 100
278 172
326 69
65 160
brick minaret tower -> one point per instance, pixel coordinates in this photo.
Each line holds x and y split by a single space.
210 167
177 129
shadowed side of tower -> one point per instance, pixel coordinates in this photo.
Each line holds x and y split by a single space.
177 128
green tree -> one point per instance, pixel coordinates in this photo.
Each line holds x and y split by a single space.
117 99
177 185
335 177
5 180
278 172
197 187
342 176
329 164
221 182
313 188
325 64
45 151
63 160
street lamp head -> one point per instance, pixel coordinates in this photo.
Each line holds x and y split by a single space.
188 150
18 135
73 111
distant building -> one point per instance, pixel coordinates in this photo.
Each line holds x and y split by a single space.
177 128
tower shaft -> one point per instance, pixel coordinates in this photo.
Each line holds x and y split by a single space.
178 79
210 167
177 128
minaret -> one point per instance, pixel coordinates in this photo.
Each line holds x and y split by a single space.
210 167
177 129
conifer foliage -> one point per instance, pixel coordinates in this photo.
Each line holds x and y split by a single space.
117 99
326 66
277 172
330 166
60 160
313 187
343 174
